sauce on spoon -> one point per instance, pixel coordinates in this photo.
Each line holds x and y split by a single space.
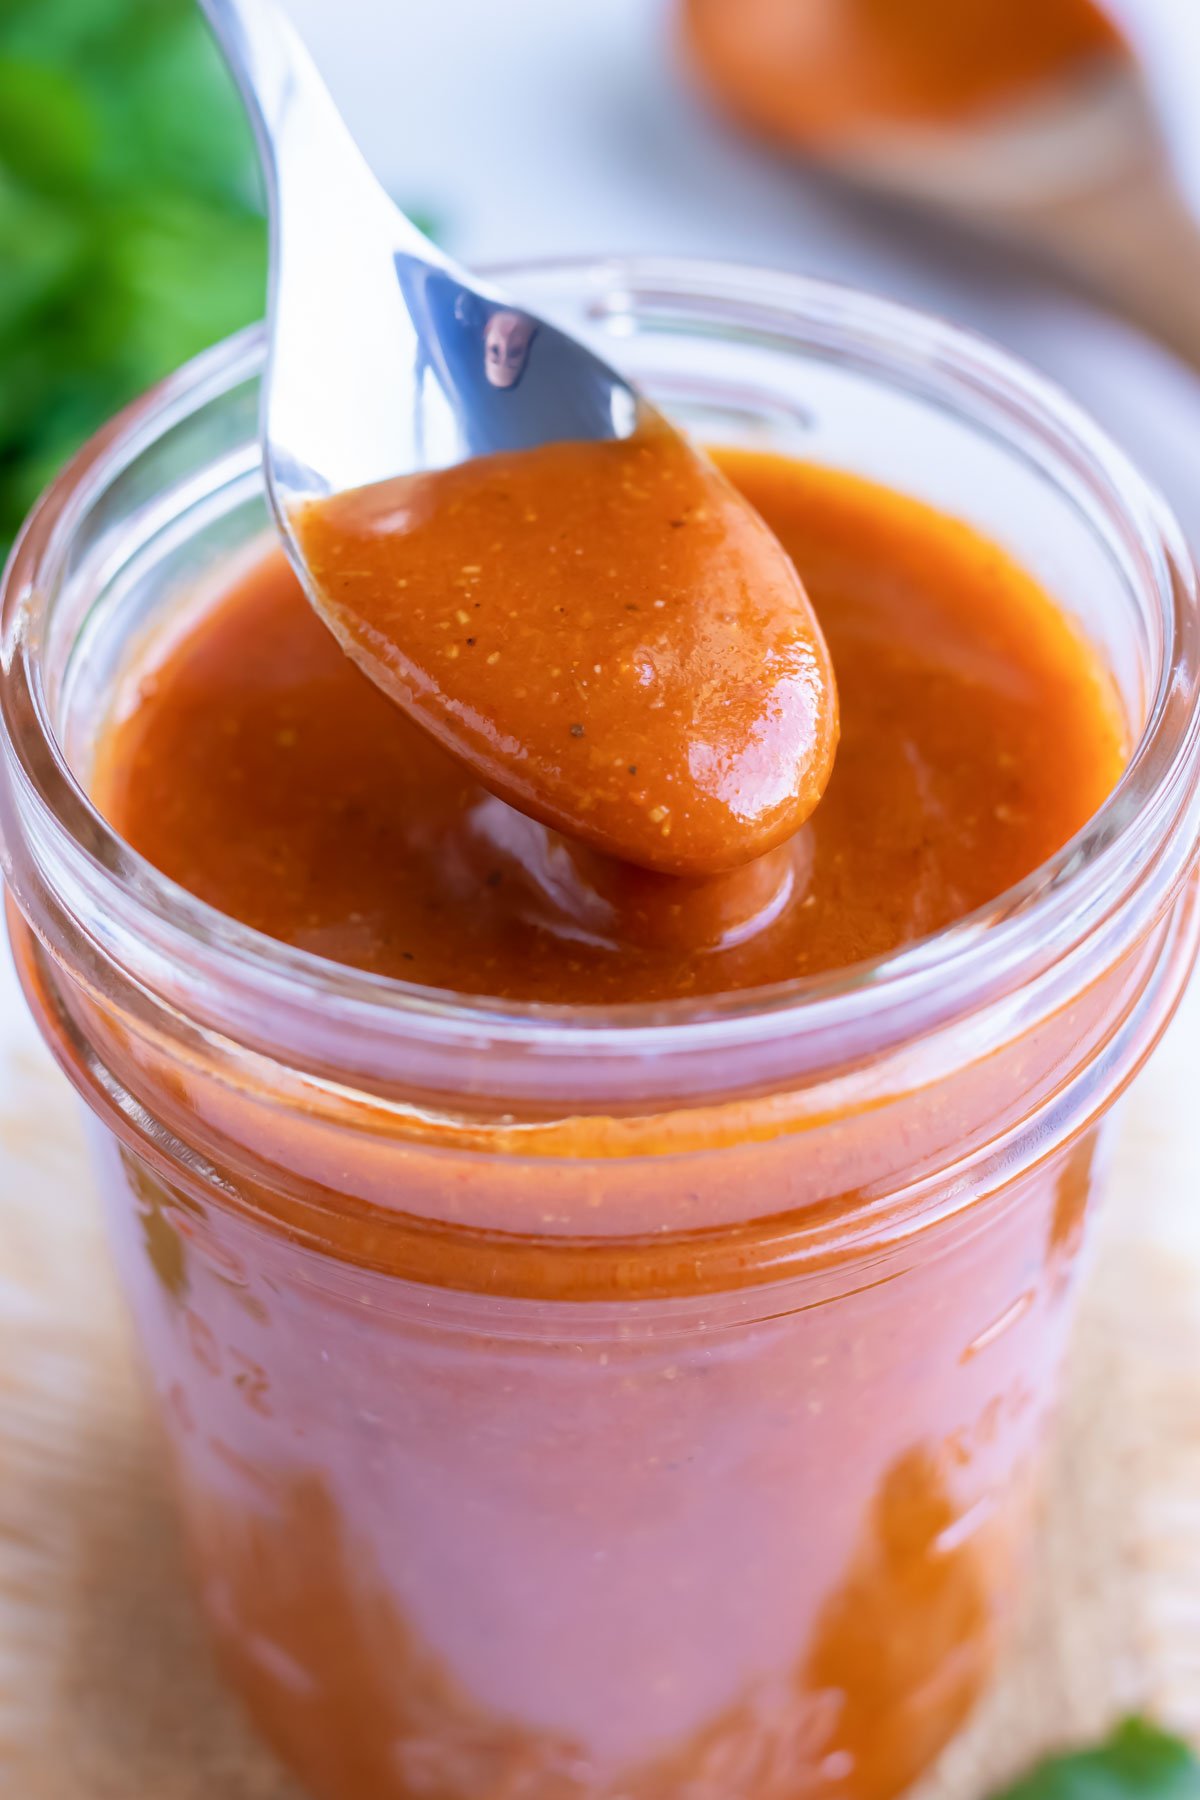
258 767
606 635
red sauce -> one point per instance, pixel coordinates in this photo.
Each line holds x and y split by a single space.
605 634
260 769
516 1457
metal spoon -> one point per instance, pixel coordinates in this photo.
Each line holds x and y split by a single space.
389 366
386 357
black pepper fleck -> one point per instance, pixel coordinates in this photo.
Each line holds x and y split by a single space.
633 768
576 730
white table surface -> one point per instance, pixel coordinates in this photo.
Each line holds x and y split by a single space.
562 126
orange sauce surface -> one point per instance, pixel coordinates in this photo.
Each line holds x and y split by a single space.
259 768
812 72
516 1459
605 634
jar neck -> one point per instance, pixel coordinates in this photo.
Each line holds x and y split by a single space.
932 1011
745 1190
161 957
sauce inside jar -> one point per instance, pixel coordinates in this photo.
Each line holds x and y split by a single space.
254 764
536 1475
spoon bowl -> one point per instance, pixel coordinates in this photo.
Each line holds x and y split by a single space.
519 551
387 358
1083 158
1081 173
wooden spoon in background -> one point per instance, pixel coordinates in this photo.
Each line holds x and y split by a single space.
1034 119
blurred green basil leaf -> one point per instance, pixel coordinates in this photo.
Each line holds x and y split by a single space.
1137 1762
130 230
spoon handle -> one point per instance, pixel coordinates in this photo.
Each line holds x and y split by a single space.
281 89
310 160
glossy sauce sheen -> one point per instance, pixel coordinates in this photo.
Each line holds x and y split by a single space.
257 766
604 633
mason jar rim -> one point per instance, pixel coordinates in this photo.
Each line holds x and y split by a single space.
1011 941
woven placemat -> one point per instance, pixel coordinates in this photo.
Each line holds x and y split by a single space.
106 1691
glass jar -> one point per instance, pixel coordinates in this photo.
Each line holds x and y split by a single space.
641 1405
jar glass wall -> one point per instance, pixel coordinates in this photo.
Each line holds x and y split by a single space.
640 1404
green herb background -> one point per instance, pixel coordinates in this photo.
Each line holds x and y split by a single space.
1137 1762
131 234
